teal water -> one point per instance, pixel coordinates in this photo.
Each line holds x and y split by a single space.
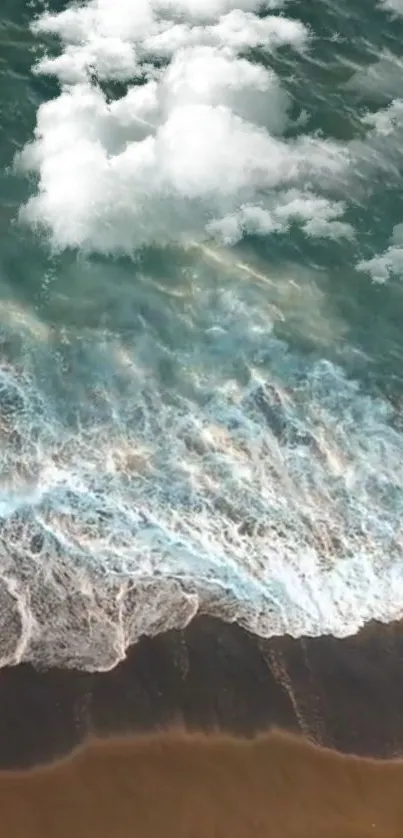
201 349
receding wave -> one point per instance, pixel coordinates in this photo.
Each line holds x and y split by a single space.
275 501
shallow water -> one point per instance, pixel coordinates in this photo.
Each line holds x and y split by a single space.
201 297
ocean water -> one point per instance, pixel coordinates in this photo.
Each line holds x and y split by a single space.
201 302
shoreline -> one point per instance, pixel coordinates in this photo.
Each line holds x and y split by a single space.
344 694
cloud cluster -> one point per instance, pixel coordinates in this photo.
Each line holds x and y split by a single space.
389 263
194 150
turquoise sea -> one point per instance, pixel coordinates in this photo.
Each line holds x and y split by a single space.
201 308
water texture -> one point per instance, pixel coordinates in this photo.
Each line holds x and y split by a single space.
200 320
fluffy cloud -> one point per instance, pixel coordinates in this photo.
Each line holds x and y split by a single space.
196 150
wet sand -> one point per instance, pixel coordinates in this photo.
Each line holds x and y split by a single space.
173 785
105 755
342 694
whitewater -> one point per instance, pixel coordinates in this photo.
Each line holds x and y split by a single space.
192 417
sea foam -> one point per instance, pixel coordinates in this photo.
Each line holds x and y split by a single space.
271 495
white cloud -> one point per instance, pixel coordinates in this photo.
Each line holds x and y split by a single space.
183 155
385 122
235 30
392 6
389 263
317 216
383 267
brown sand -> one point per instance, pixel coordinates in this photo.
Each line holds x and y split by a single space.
178 785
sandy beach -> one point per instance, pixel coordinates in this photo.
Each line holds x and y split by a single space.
181 785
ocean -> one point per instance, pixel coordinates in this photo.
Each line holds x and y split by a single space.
201 295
